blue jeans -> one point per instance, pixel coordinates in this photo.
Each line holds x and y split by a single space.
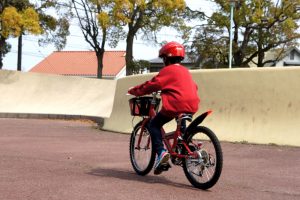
154 127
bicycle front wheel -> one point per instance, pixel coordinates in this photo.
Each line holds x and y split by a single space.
204 168
142 155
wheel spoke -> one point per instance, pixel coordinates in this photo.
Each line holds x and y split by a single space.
208 175
142 158
204 170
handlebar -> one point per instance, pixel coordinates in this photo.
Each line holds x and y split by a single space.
154 95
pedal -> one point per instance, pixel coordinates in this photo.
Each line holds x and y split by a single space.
161 168
165 166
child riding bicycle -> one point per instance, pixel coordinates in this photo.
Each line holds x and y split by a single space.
179 94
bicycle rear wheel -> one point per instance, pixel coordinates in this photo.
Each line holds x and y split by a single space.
204 171
142 155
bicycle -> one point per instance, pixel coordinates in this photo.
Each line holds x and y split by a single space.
196 148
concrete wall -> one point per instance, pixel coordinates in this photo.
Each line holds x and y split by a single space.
34 93
253 105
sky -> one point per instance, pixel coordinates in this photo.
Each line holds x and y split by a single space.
33 53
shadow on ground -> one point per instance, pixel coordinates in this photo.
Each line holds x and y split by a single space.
131 176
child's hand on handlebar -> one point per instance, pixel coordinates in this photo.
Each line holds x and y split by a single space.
132 91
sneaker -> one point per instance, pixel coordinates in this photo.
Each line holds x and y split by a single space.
162 159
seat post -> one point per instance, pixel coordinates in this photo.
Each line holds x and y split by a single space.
183 125
181 121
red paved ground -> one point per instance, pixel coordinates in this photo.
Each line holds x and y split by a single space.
49 159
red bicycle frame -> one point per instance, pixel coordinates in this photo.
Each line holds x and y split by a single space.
167 137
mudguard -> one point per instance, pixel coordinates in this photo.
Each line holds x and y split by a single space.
197 121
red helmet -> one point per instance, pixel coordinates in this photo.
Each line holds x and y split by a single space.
172 49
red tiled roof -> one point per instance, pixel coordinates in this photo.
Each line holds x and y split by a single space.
83 63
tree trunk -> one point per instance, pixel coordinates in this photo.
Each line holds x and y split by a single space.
260 58
19 66
2 46
1 62
238 60
129 53
261 54
100 55
197 64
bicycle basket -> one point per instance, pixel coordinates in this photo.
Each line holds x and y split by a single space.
140 106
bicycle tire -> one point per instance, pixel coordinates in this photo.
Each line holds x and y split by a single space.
218 158
132 147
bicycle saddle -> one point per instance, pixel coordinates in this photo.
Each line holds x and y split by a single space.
185 116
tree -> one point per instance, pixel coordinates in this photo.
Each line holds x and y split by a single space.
140 66
207 46
259 26
208 49
55 26
100 19
14 23
149 17
21 17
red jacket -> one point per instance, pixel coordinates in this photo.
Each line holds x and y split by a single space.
178 90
